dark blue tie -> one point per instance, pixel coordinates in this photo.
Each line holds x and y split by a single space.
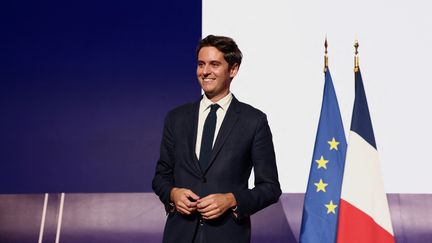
207 137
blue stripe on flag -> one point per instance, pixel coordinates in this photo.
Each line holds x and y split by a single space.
361 122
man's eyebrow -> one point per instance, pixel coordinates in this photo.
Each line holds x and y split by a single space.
211 61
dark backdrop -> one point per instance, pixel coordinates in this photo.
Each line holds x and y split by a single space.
85 87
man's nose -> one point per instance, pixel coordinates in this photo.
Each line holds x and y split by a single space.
206 70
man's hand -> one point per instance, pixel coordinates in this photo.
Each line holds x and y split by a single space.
185 200
214 205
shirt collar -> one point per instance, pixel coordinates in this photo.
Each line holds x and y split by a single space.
223 103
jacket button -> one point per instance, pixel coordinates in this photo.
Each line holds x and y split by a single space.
204 180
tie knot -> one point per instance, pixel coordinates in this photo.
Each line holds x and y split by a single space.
214 107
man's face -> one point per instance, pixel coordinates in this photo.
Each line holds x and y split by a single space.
213 73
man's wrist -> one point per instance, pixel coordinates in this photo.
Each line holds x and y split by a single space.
171 194
232 200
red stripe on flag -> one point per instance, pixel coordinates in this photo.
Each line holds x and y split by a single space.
357 227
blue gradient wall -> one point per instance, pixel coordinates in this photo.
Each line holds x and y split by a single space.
84 88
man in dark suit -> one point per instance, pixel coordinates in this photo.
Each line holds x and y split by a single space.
207 152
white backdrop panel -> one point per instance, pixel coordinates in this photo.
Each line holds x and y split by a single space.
282 42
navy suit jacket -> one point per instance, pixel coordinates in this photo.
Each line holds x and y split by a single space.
244 142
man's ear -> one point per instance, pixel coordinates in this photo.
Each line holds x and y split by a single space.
234 69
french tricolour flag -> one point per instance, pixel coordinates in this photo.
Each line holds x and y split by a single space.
364 213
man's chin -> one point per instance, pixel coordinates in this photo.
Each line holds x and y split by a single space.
208 91
209 94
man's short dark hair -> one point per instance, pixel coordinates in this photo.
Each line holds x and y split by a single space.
226 45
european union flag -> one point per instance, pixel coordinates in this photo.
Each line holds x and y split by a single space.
321 204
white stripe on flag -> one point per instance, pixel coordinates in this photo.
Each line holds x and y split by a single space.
362 184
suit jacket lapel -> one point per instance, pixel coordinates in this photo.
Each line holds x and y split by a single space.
192 121
228 123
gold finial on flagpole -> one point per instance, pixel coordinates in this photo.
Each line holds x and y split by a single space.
325 56
356 58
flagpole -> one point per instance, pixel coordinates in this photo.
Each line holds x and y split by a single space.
356 58
325 56
364 214
321 204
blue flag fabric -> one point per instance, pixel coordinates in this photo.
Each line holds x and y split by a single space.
361 121
321 204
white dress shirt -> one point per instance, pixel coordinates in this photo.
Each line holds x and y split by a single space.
204 110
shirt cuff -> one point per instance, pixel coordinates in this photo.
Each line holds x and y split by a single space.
235 212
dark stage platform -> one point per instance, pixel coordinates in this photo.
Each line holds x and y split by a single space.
140 217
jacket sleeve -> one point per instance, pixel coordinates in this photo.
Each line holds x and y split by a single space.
163 180
267 188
